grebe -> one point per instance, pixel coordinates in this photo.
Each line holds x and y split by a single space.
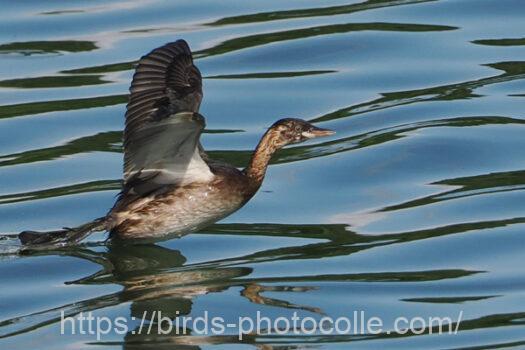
170 185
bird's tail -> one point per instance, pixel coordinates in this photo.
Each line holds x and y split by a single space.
61 237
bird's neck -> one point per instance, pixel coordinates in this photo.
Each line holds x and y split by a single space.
261 157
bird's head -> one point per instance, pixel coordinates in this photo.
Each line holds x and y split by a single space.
290 130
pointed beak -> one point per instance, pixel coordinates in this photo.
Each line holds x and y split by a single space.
317 132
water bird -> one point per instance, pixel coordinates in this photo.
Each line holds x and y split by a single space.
170 186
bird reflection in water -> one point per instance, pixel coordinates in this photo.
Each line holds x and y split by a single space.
156 280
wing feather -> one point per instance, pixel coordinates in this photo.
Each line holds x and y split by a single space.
161 137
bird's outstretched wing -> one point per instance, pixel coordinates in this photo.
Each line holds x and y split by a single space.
163 127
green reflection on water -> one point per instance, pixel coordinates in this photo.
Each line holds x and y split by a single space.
31 108
46 47
53 81
500 42
312 12
470 186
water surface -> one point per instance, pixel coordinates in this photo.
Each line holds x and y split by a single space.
414 208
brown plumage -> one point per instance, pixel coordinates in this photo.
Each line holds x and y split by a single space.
171 187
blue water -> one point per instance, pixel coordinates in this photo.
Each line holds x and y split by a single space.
413 209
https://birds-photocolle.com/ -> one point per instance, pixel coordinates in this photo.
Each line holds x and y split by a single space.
170 186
